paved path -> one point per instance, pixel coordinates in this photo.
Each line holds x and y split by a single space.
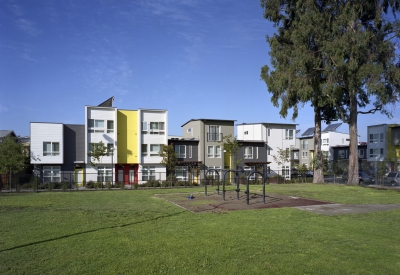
338 209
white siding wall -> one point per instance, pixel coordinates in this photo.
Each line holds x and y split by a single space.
377 129
46 132
335 138
102 113
152 116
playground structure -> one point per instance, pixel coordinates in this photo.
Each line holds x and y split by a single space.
237 173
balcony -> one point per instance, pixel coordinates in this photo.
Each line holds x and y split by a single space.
214 136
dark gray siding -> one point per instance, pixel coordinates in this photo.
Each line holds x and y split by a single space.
74 146
187 143
262 152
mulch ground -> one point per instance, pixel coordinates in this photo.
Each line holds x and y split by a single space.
214 202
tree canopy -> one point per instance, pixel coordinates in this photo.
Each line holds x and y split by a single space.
12 155
339 56
97 152
169 157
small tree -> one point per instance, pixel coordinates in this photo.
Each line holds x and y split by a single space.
282 157
231 146
97 152
12 156
169 157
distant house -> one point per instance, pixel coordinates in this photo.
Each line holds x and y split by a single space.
6 133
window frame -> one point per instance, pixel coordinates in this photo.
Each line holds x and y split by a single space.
179 151
248 152
53 152
289 136
52 170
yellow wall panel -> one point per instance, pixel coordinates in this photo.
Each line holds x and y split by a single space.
127 131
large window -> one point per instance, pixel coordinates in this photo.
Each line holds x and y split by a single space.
248 152
148 173
289 134
295 155
374 138
214 151
373 153
214 133
51 148
285 172
155 150
51 174
97 125
305 155
104 174
153 128
304 144
181 151
181 173
361 153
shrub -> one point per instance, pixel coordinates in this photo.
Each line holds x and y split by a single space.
50 185
153 183
90 184
108 185
135 186
98 185
65 185
120 185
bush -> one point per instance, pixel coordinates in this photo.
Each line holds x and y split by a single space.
90 184
135 186
65 185
98 185
120 185
153 183
108 185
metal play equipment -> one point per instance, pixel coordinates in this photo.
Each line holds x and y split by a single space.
206 181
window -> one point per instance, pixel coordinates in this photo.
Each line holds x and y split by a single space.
296 155
361 153
305 155
210 151
190 151
110 149
325 141
213 133
154 150
218 151
51 174
148 173
289 134
249 169
51 148
144 127
269 132
304 144
248 152
246 132
157 128
181 150
181 173
144 150
96 125
342 154
104 174
373 153
374 138
110 126
285 172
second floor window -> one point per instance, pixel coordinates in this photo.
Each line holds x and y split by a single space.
154 150
325 141
342 154
361 153
305 155
289 134
374 138
214 151
295 155
51 148
373 153
144 149
181 151
214 133
304 144
153 128
248 152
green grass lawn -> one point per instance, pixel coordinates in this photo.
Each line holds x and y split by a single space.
134 232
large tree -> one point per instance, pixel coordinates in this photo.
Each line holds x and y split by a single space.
12 156
169 158
336 55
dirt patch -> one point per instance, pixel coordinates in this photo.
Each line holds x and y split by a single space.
214 202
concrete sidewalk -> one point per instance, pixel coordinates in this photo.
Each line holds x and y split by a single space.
338 209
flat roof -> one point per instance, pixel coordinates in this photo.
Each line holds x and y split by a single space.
207 119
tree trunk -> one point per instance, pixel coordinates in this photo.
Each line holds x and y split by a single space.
353 177
318 157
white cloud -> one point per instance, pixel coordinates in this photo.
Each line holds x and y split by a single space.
28 27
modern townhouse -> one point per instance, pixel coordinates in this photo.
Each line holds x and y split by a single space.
384 145
275 135
340 157
210 133
153 134
253 156
57 151
188 163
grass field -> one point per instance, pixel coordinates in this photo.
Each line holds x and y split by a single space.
134 232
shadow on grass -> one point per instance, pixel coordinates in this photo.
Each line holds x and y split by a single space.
90 231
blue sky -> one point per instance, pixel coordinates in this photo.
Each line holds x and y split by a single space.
194 58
